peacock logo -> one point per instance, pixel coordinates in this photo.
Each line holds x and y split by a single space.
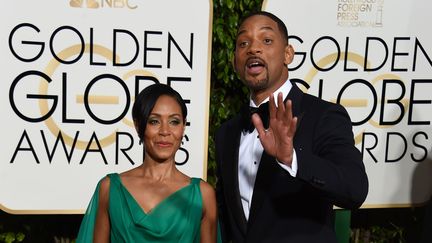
94 4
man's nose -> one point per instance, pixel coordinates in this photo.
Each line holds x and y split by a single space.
254 48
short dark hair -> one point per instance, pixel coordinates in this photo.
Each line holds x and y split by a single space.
145 102
281 25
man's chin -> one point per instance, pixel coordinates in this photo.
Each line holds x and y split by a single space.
256 84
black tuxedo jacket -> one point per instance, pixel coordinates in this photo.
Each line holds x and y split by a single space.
293 209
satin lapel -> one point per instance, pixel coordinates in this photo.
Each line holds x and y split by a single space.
231 185
267 167
262 185
296 96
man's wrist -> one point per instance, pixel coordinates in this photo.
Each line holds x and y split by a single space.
292 168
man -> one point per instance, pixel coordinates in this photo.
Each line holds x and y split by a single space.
279 182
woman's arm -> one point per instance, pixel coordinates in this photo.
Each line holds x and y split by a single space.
102 225
209 217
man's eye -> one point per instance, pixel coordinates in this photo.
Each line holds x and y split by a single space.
243 44
268 41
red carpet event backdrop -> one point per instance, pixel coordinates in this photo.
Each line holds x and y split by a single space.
70 71
375 58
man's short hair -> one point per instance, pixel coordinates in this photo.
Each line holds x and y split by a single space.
281 25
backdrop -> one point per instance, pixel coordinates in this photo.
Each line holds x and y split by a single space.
69 73
374 58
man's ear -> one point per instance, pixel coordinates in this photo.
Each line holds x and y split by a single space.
289 54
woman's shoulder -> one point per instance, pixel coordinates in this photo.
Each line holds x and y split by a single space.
106 180
209 200
104 187
207 190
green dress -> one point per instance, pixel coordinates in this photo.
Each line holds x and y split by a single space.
175 219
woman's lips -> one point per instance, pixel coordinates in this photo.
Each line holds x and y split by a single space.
164 144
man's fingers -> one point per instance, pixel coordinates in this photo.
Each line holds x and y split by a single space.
256 120
288 111
281 106
293 127
272 107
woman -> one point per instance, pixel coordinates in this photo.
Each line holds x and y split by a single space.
154 202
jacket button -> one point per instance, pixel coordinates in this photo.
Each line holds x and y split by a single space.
318 181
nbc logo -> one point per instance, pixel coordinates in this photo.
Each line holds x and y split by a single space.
101 4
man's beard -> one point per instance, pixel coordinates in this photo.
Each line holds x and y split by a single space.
257 85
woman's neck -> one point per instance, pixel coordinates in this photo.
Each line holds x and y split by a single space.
157 170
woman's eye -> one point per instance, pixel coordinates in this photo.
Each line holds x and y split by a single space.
175 122
153 121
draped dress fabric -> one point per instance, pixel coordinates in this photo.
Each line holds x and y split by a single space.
175 219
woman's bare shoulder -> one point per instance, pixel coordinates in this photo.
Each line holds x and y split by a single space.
207 190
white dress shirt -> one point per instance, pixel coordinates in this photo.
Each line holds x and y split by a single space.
250 153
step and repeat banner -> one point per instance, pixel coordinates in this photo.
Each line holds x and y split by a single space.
375 58
70 71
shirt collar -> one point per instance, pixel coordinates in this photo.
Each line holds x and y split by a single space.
285 89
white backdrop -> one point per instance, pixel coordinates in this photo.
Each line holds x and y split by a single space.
69 74
373 57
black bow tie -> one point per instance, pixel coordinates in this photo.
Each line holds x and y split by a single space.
263 112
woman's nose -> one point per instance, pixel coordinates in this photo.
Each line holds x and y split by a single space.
164 129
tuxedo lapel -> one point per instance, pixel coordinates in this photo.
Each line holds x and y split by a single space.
296 96
231 184
268 167
262 185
